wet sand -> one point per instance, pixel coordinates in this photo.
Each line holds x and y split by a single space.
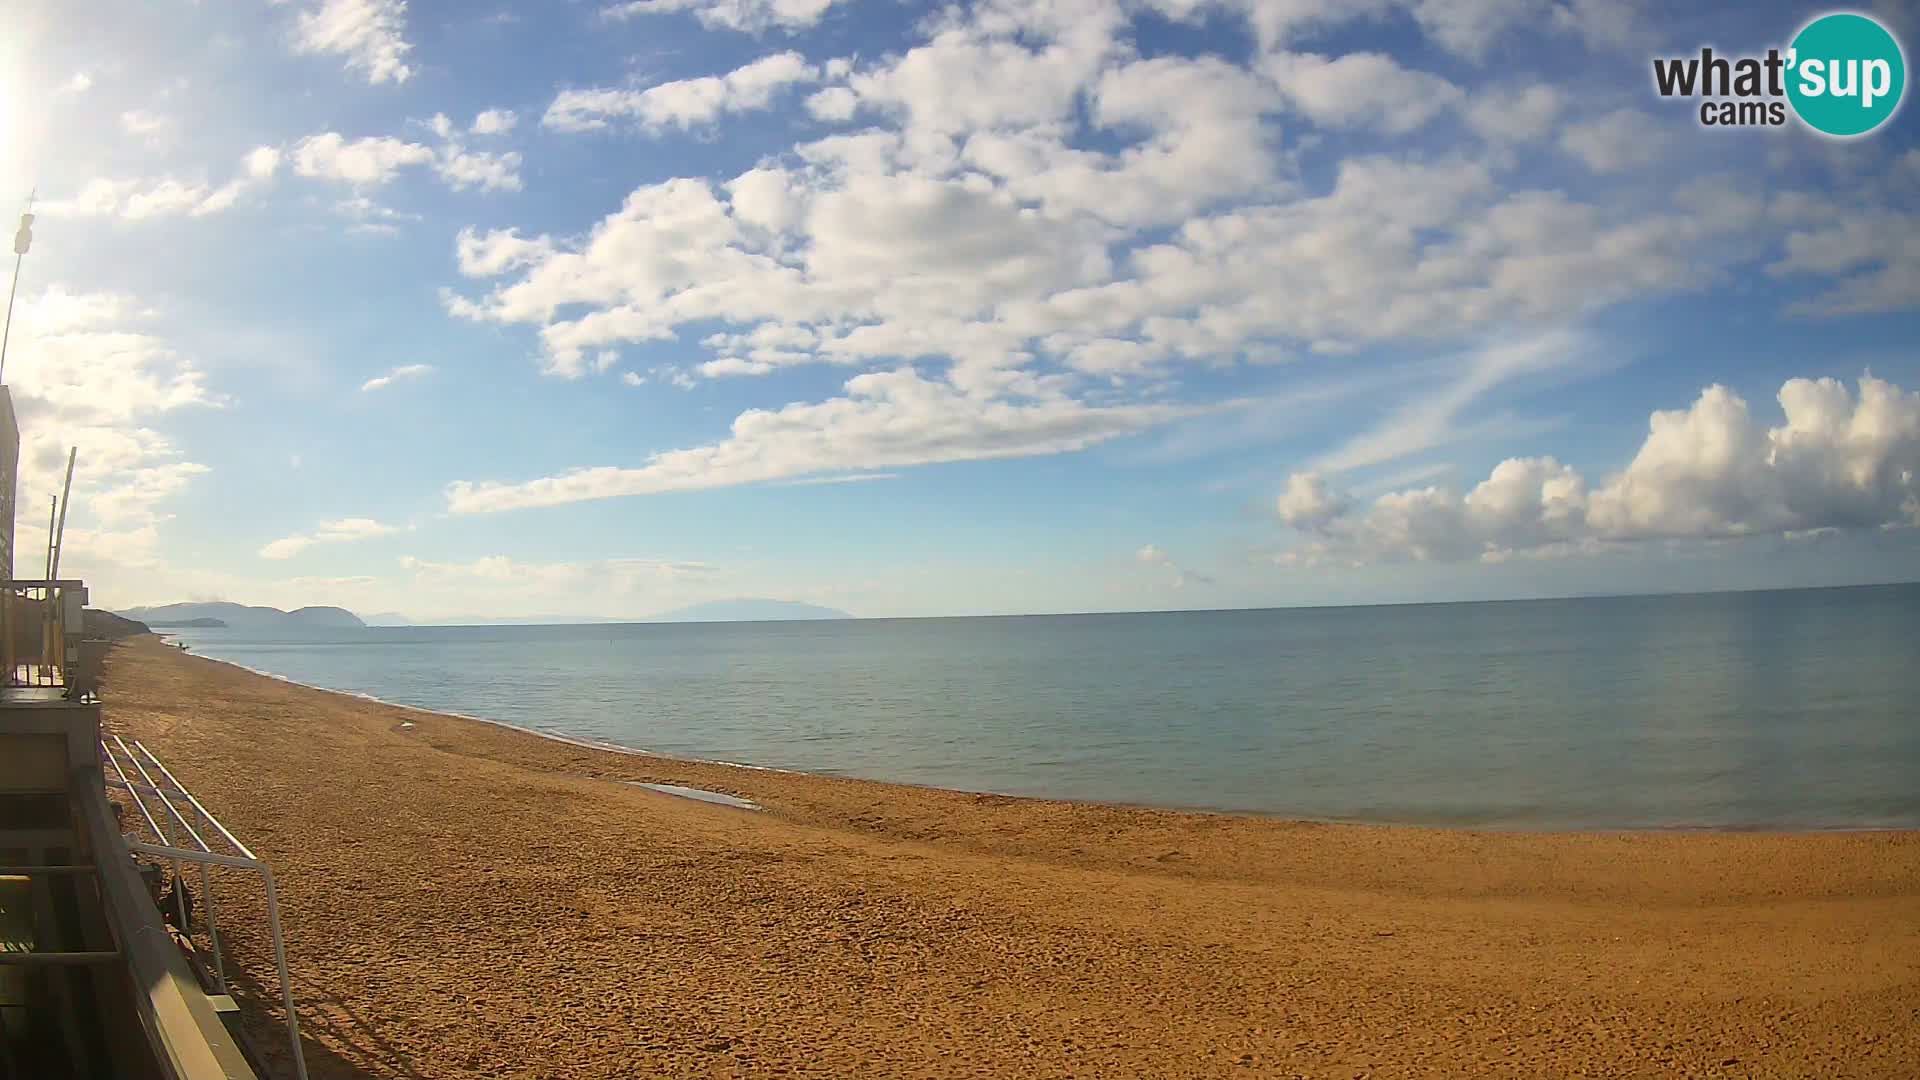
465 900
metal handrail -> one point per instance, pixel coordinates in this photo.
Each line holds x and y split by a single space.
204 857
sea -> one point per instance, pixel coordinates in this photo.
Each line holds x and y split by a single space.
1793 709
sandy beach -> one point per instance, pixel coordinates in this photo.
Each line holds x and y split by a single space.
466 900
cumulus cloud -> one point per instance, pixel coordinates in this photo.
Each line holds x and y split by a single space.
370 35
684 103
365 162
463 169
749 16
376 160
1361 89
1621 140
1514 114
149 198
1840 459
494 122
85 370
401 373
1309 504
1028 197
339 531
885 420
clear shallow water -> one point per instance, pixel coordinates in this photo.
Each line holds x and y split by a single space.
1796 709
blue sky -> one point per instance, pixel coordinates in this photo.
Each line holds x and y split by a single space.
605 308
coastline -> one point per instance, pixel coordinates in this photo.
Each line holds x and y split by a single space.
466 898
1308 819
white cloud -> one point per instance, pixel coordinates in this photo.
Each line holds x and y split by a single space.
1152 555
734 365
1839 460
152 128
369 34
750 16
84 372
885 420
405 371
1433 419
140 199
376 160
262 162
1617 142
363 162
1513 114
1361 90
494 122
78 353
371 217
684 103
463 169
835 104
340 531
1871 251
1307 503
498 251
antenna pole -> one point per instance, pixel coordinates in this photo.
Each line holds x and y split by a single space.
60 530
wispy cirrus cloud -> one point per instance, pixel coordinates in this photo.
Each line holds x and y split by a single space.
399 374
885 420
338 531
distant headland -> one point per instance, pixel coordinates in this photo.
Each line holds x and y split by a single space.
219 614
243 617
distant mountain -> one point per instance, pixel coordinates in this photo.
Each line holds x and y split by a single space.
386 618
202 623
749 610
242 617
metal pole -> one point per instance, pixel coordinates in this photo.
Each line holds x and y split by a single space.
182 789
180 901
22 241
8 334
286 981
60 531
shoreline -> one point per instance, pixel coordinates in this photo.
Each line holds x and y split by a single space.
1765 829
469 899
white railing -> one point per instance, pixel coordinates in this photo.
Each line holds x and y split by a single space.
200 854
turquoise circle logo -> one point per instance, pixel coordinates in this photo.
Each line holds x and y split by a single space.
1847 74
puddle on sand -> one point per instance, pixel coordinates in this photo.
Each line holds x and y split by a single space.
698 793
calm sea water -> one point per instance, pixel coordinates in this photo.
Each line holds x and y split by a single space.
1777 709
